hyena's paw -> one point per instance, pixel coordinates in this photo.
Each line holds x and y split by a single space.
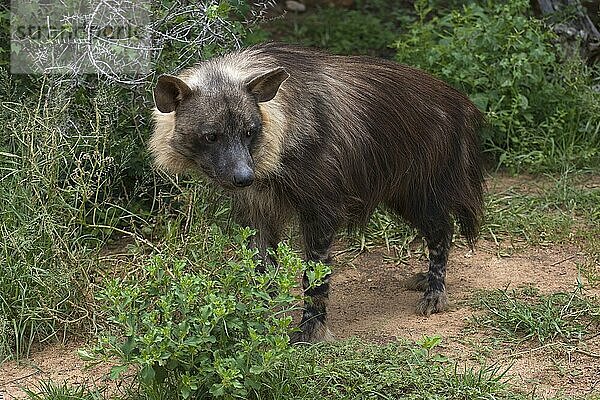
312 332
432 302
418 282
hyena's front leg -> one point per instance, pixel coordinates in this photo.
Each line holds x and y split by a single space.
313 326
267 225
265 238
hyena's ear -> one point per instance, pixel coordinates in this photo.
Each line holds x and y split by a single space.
169 92
265 86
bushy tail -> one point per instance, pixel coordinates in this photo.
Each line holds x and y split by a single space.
469 221
469 210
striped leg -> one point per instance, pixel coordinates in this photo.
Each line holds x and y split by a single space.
437 229
435 299
313 327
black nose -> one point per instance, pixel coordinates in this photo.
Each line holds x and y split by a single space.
243 177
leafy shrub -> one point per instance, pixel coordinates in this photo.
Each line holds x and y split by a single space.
541 109
212 330
73 171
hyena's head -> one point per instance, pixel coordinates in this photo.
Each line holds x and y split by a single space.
216 129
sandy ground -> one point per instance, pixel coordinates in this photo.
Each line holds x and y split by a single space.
369 300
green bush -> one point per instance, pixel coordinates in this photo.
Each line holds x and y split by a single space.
542 113
212 330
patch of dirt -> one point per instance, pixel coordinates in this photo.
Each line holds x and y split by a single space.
537 184
368 299
56 362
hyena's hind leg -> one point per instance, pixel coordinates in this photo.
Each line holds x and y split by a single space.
436 226
434 282
313 326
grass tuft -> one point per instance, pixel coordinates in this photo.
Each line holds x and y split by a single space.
354 369
551 210
385 229
526 314
48 390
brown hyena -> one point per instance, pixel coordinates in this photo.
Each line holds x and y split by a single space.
298 134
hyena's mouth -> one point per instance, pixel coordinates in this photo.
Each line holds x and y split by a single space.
222 182
229 186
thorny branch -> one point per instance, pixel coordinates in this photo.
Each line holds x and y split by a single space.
184 27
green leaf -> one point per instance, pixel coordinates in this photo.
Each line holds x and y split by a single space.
147 374
217 390
429 342
85 355
481 100
128 346
116 371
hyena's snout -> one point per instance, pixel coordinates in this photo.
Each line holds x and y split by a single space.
234 166
243 175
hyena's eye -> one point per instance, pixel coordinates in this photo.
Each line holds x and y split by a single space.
210 137
253 130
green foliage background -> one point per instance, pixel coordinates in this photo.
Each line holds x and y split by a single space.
74 177
542 112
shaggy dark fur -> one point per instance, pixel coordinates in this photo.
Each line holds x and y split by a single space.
326 145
